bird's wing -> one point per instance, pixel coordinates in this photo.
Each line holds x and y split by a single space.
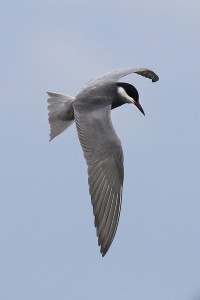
117 74
103 153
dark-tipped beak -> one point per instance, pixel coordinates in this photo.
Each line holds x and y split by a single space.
139 106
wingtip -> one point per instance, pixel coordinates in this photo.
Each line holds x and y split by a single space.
155 80
103 253
50 138
103 250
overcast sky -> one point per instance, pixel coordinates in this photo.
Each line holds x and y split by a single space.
48 244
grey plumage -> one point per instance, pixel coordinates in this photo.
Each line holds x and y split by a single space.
101 146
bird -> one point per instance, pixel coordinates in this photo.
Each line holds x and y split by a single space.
102 149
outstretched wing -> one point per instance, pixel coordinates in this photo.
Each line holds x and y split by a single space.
103 153
117 74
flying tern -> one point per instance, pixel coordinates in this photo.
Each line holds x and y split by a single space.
102 149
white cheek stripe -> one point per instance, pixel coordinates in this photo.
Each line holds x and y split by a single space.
122 93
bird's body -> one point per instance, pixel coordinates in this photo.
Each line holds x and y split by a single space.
101 146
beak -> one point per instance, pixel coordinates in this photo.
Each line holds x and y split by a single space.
139 106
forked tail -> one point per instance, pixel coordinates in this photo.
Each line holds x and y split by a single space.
61 113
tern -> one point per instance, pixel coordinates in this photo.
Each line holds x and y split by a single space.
102 149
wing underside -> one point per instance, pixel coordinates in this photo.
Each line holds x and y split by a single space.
114 76
103 153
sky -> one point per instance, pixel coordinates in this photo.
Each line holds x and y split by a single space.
48 244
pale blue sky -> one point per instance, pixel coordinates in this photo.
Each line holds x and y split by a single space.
48 246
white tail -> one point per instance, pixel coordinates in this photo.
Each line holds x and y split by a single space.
61 113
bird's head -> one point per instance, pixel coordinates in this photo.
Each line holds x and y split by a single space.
129 94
